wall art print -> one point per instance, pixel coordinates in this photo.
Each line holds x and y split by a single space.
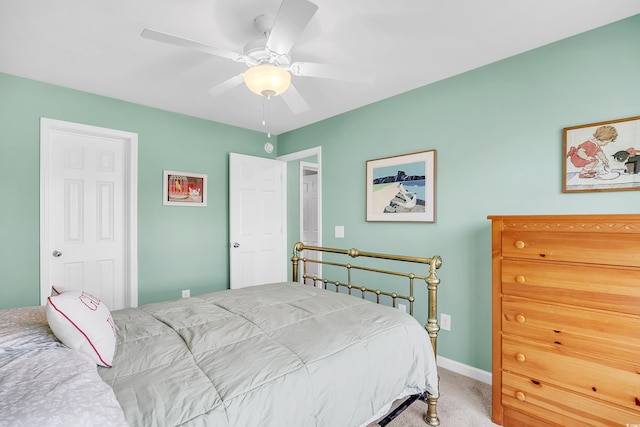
184 188
402 188
602 156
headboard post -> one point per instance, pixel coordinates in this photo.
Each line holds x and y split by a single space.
294 262
433 281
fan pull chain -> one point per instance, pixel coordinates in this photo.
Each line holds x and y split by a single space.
265 114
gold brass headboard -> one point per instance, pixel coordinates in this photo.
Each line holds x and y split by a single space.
431 279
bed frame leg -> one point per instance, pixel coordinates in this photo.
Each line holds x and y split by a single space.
431 417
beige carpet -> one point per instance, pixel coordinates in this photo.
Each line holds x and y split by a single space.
464 402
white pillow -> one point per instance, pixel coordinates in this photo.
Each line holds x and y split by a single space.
58 290
82 322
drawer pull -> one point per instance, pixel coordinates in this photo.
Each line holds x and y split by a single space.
520 357
520 318
520 279
520 396
519 244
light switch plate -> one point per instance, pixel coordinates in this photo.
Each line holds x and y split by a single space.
339 231
445 322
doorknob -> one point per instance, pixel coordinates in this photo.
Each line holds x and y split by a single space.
236 245
57 253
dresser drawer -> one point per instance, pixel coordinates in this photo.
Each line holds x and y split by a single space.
595 248
560 407
589 331
614 288
593 377
515 418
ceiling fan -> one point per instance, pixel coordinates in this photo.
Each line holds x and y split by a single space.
269 64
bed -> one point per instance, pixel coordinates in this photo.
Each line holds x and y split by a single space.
299 353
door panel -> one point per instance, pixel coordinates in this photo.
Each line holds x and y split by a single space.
256 220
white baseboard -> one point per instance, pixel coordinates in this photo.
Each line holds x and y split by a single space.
461 368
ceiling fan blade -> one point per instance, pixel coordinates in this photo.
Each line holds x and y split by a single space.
294 100
293 16
159 36
226 85
335 72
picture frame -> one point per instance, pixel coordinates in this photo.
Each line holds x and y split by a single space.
603 156
402 188
184 188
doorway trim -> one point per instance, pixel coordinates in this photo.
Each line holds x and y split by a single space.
131 199
305 166
299 155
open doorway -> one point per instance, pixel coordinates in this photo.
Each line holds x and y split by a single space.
309 235
305 210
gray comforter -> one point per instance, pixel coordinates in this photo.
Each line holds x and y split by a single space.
273 355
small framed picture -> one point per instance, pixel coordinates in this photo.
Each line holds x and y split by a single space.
184 188
402 188
602 156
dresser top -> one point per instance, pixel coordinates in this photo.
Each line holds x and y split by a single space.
570 217
613 223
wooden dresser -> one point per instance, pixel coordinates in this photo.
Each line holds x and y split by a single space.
566 320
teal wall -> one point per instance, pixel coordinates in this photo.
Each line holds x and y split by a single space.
498 135
178 247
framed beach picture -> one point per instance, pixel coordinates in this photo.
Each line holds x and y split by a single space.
402 188
602 156
184 188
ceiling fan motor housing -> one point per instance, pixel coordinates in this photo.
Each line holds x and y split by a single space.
260 54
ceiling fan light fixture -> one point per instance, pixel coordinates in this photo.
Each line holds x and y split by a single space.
267 80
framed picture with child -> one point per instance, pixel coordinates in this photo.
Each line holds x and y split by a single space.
602 156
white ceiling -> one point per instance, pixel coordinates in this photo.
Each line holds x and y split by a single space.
95 46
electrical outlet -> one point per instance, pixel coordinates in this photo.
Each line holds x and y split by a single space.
402 307
186 293
445 322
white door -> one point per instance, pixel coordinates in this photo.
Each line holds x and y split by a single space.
309 211
86 214
257 220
